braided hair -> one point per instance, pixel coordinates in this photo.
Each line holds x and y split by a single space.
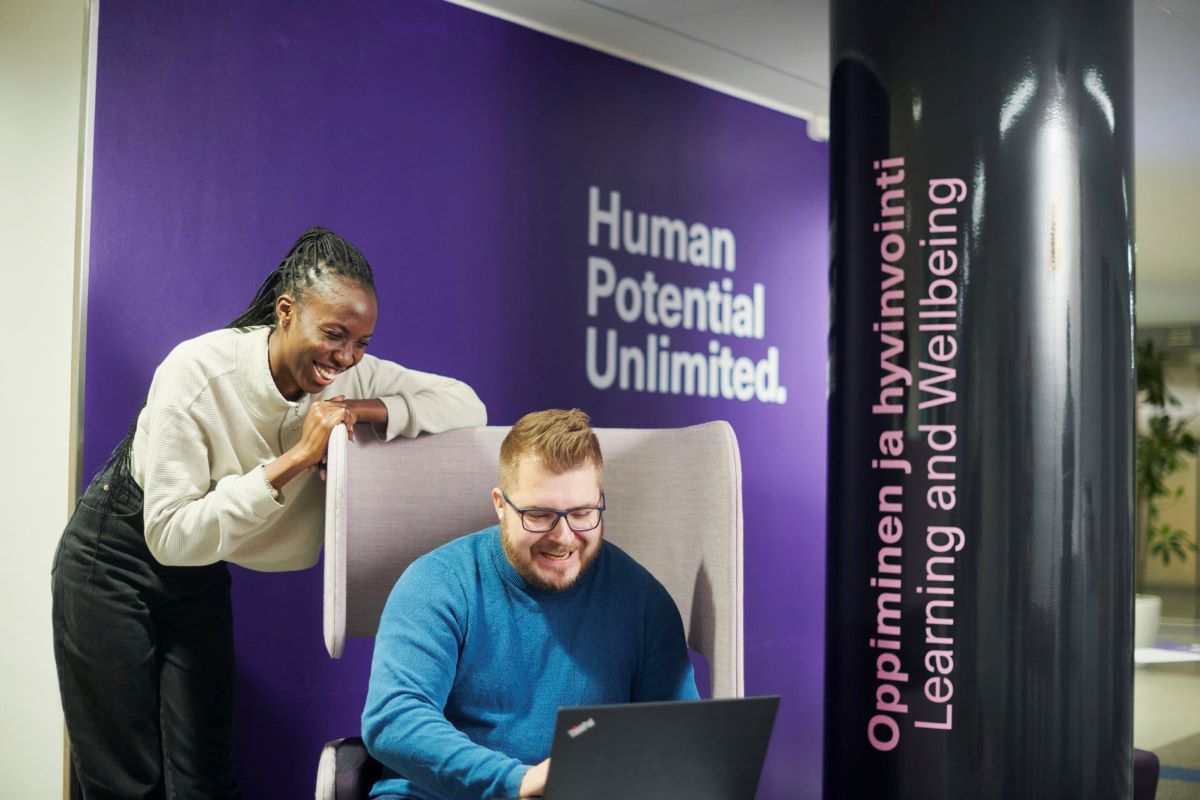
317 256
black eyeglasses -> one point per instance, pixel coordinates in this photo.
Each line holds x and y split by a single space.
544 520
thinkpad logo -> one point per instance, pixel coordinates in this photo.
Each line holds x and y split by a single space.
582 727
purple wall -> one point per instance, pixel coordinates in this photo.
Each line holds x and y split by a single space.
457 151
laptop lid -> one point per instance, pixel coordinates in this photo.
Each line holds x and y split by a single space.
698 750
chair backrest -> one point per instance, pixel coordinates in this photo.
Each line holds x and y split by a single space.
674 501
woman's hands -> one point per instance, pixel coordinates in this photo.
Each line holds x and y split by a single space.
322 417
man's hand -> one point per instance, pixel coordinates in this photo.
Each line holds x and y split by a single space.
534 782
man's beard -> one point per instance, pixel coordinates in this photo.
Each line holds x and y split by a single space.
522 560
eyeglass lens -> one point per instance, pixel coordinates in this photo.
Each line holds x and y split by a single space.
580 519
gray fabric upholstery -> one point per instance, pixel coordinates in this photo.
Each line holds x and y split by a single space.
674 500
346 771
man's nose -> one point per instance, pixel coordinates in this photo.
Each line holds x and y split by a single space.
561 530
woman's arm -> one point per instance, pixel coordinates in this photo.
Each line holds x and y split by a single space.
190 520
322 417
373 410
407 402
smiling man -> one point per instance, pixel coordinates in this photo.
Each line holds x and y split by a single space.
483 639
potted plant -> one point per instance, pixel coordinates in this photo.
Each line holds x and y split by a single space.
1162 443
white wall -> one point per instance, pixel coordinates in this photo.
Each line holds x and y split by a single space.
42 57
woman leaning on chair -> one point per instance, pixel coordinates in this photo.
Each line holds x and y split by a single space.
220 466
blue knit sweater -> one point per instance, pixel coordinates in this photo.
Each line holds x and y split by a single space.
472 663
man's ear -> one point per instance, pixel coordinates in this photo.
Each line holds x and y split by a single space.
498 502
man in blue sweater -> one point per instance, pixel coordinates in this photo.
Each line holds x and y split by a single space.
483 639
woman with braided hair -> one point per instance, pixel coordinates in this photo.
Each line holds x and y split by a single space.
220 466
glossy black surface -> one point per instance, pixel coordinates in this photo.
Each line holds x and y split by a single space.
1030 105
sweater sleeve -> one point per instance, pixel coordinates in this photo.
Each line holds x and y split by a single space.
666 673
412 673
418 402
189 521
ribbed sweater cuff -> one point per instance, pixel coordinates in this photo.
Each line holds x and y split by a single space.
398 418
512 786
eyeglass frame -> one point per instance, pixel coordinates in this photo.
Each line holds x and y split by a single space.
557 514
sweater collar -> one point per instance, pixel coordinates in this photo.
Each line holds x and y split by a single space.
257 387
510 575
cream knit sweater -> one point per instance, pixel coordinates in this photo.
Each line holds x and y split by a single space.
214 418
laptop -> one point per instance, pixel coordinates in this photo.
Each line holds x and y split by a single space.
697 750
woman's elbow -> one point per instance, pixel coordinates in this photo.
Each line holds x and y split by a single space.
166 551
480 417
476 411
156 543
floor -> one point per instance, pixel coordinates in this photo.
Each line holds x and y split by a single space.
1166 713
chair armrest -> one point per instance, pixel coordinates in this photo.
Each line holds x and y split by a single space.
346 770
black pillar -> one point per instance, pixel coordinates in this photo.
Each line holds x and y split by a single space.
980 569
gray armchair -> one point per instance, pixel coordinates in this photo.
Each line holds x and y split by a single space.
675 505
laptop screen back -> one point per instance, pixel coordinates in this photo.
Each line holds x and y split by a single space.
698 750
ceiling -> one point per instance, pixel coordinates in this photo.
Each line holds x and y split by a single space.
777 53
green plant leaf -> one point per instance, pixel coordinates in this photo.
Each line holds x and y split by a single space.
1163 444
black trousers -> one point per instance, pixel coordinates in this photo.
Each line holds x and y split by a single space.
145 660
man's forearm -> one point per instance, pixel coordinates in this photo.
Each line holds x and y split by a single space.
419 743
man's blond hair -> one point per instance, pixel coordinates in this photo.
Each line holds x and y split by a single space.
559 440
